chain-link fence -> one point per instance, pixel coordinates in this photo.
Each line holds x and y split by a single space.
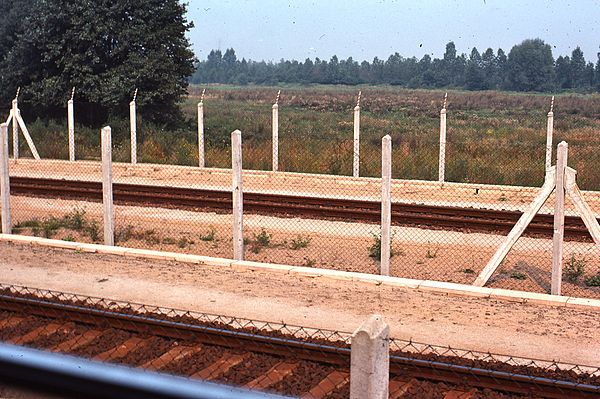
312 212
291 360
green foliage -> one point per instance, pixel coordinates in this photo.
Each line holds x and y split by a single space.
263 238
375 248
75 220
574 268
210 236
518 275
593 281
300 242
531 66
105 49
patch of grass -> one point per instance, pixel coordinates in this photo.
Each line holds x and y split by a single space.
468 271
125 234
210 236
263 238
300 242
593 281
574 268
69 238
518 275
93 230
375 248
309 262
431 254
75 220
183 242
169 241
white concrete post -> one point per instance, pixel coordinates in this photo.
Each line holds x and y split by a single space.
4 180
71 124
133 128
442 160
356 159
370 360
238 201
15 127
275 126
107 188
386 205
549 133
559 218
201 156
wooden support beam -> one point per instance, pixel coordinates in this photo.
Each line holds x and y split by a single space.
238 200
386 205
5 180
107 187
559 219
586 213
30 143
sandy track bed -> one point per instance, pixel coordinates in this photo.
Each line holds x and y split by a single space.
552 333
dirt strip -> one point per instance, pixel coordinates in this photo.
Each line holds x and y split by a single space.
527 330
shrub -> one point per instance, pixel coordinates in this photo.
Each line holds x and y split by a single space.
574 269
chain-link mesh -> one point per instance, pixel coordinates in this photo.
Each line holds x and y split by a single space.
286 359
312 212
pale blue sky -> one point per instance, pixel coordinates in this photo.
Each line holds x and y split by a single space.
363 29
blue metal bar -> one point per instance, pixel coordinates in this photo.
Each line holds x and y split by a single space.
76 377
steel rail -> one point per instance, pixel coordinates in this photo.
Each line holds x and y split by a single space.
403 214
437 370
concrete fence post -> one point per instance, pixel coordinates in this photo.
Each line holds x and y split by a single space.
133 128
549 134
201 153
275 127
386 205
370 360
238 201
71 124
15 128
5 180
275 137
356 157
107 188
559 218
442 160
201 160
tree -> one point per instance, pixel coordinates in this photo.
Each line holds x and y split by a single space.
106 49
530 66
564 76
597 78
578 64
474 77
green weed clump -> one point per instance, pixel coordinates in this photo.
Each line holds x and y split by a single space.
574 268
75 220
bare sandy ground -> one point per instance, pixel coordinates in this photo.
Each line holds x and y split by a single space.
550 333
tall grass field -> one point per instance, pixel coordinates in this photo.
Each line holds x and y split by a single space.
493 137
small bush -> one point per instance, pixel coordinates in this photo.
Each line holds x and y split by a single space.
518 275
263 238
300 242
210 236
375 248
93 230
593 281
574 269
308 262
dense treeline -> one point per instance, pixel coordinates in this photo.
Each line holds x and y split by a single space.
529 66
104 48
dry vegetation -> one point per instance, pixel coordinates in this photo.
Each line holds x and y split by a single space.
493 137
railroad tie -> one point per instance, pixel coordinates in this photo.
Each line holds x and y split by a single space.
31 336
121 350
456 394
172 355
398 388
275 374
333 381
77 341
221 366
10 322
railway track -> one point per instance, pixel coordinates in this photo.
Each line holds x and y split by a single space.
433 217
292 362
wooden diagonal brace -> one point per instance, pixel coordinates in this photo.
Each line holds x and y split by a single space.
518 229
